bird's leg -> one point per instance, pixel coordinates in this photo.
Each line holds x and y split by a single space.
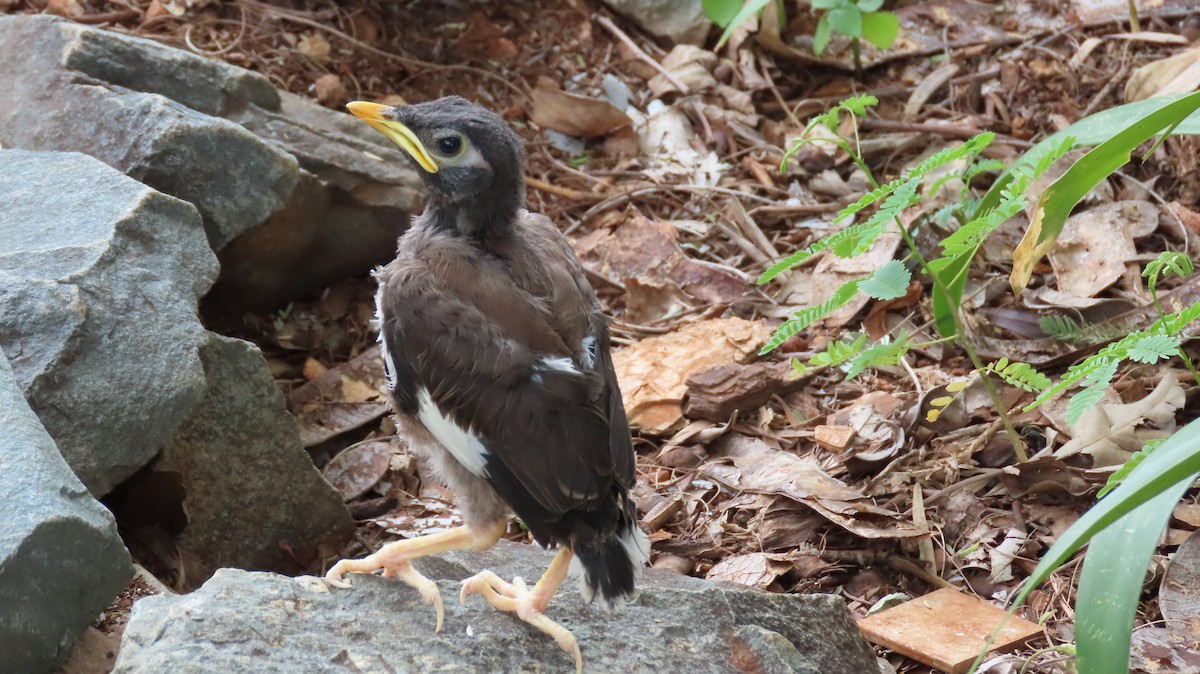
527 603
395 559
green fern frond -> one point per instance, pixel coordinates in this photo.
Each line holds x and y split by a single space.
888 282
1152 348
1168 262
1126 468
853 240
810 315
1173 324
1066 329
839 352
1018 374
878 355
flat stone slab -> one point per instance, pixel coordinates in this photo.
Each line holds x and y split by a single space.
257 623
61 560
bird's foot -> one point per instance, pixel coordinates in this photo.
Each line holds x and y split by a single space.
394 560
528 604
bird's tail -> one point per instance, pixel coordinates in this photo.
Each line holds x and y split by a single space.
612 563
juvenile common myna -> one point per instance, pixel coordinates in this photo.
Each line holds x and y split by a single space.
497 357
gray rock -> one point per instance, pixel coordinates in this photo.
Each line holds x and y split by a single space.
297 181
681 21
261 623
251 495
232 177
99 281
61 561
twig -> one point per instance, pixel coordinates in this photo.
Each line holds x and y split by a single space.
565 192
620 35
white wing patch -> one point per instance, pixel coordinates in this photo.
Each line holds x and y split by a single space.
587 352
558 363
464 445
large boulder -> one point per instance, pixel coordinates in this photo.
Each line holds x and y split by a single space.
61 561
99 282
255 622
249 493
279 181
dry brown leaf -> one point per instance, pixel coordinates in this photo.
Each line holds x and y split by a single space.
329 90
358 467
1111 433
1095 245
315 47
321 408
757 569
573 114
1172 75
760 469
358 391
653 373
313 368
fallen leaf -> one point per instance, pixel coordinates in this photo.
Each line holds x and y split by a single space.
313 368
358 391
760 469
757 569
321 408
1095 245
329 90
315 47
1176 74
1110 433
358 467
573 114
653 373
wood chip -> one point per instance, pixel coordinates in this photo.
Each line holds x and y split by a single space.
834 438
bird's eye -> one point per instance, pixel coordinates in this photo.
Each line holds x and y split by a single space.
449 146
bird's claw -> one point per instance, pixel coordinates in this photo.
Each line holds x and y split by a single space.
401 569
516 597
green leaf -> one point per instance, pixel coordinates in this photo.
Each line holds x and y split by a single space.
846 20
1111 583
807 317
888 282
1057 200
1154 348
1168 262
839 352
880 28
879 354
721 12
1176 460
828 4
1126 468
869 5
751 8
821 35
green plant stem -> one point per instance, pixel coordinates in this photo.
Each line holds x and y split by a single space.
1010 429
1182 354
1135 26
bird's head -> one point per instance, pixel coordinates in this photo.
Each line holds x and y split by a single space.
471 161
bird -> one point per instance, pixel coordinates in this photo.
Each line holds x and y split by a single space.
498 366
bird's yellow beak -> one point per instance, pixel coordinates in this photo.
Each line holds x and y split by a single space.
372 114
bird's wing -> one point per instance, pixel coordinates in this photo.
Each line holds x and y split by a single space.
476 360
